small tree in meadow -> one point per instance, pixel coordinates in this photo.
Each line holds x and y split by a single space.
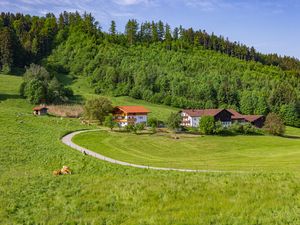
109 122
274 124
97 109
174 121
152 123
207 125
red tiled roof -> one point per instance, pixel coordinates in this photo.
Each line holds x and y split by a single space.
39 108
133 109
252 118
203 112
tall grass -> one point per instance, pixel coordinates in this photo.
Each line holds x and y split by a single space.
71 111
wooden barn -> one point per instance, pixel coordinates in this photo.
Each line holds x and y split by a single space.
255 120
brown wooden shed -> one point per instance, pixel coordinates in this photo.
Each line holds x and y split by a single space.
40 110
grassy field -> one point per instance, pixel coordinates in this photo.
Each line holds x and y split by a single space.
246 153
81 88
103 193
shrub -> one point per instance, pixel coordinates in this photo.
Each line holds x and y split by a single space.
97 109
174 121
140 127
109 122
35 91
152 122
274 124
6 69
130 128
38 86
237 128
207 125
248 128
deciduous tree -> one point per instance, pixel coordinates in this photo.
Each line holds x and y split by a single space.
274 124
207 125
97 109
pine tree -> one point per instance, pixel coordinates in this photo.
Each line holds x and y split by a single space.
160 30
6 47
168 37
131 31
175 33
112 29
155 36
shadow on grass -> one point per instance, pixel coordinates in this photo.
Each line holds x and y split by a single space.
128 132
8 96
291 137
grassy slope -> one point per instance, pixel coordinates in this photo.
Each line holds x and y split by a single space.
257 153
161 112
102 193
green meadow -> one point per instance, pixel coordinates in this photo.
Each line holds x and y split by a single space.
102 193
243 153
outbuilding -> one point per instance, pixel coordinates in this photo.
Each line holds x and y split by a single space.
255 120
40 110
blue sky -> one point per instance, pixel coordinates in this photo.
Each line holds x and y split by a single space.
268 25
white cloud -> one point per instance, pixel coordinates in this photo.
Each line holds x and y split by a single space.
205 5
131 2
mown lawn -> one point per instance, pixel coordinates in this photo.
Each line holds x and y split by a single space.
103 193
246 153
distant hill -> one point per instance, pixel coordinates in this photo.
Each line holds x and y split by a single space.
179 67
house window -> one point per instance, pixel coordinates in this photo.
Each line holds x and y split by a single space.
226 123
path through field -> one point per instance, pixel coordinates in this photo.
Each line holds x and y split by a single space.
67 139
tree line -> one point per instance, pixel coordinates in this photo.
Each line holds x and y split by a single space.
26 39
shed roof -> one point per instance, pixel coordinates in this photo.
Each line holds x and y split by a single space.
235 114
39 108
252 118
133 109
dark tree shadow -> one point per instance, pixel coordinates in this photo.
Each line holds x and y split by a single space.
77 99
8 96
291 137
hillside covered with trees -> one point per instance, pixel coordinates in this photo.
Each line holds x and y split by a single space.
178 67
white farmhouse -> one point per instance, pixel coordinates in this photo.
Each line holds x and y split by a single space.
192 117
130 115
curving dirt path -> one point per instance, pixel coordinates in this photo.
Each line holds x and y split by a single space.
67 140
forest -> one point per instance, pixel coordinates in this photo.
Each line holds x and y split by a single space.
151 61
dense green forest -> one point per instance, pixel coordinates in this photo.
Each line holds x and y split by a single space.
150 61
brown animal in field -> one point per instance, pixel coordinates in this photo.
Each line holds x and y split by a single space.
56 172
63 171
